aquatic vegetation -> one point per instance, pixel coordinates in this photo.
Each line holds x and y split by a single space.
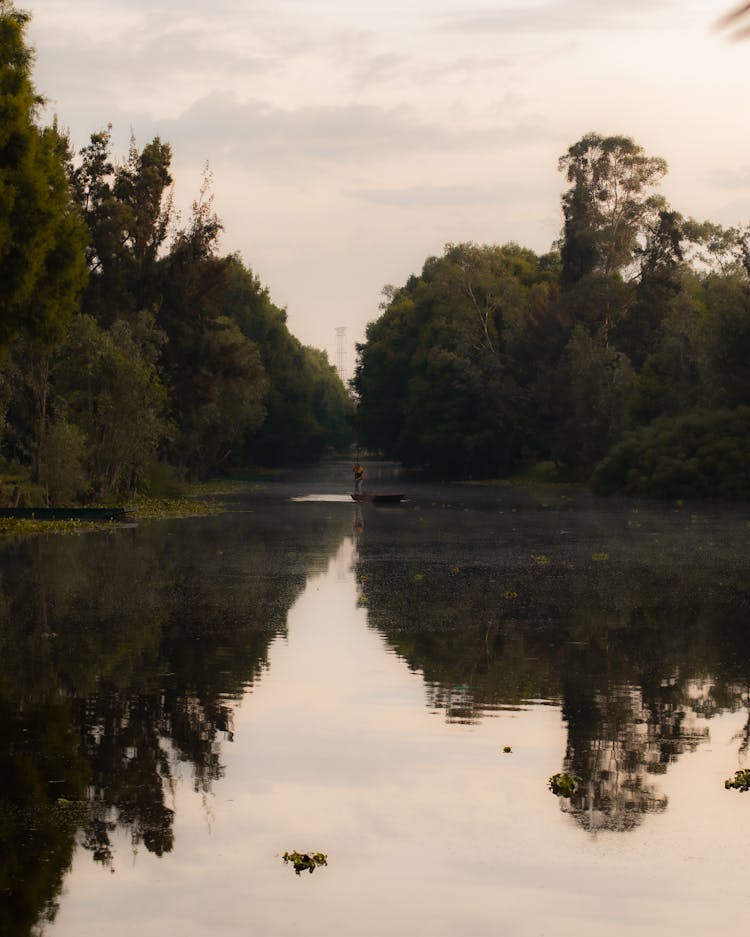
740 781
16 527
305 861
142 507
563 784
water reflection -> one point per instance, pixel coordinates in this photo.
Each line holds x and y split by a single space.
634 623
124 656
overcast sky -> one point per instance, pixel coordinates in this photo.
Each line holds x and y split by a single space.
350 140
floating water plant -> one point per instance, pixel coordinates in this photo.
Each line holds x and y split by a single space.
305 861
740 781
563 784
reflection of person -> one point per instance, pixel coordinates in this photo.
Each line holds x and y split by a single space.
359 474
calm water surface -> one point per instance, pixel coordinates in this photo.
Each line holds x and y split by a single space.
183 701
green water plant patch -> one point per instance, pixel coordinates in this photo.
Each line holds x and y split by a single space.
740 781
563 784
305 861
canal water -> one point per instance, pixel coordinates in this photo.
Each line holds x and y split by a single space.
184 701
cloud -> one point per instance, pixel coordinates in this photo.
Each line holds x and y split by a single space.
151 58
260 135
441 196
729 178
553 16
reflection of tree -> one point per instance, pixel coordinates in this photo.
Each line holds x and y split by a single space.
133 649
42 776
617 743
626 641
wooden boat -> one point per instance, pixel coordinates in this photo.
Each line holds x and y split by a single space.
378 497
63 514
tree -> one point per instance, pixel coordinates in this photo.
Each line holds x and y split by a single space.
607 205
597 385
443 380
42 267
213 371
109 389
307 408
128 208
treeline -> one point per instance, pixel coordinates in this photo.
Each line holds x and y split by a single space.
131 350
620 357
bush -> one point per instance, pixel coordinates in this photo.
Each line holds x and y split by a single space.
705 454
61 458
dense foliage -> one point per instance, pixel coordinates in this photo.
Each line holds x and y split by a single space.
623 353
131 350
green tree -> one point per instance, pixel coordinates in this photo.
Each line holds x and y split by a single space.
109 389
608 204
444 379
307 408
599 383
42 266
213 372
128 208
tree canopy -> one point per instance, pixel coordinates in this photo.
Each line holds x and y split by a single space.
41 235
129 340
495 358
131 347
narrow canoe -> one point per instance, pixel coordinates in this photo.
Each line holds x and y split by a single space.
382 497
63 514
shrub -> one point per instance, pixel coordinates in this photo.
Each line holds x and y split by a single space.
704 454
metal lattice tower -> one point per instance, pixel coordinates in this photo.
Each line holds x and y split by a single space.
340 355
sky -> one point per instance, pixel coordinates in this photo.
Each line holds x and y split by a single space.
348 141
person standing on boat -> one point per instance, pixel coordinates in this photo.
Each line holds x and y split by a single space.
359 474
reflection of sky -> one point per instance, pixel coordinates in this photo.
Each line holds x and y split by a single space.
429 828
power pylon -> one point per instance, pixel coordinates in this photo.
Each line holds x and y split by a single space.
340 351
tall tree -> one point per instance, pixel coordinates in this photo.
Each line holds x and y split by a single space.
213 372
608 211
306 405
608 204
42 267
128 209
